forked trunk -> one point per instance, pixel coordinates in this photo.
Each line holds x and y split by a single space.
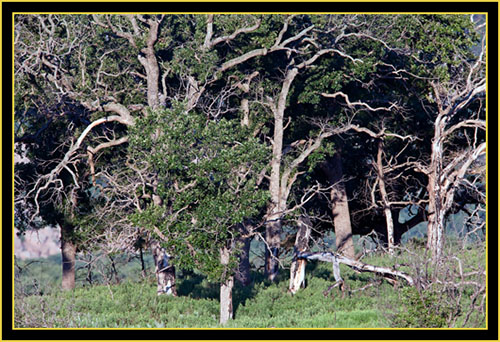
298 267
226 290
68 251
165 273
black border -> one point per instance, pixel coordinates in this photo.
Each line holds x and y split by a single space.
231 334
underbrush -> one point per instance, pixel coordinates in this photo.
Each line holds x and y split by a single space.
447 298
260 305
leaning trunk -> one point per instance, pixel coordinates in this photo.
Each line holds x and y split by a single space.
226 290
165 273
298 267
385 199
68 251
340 207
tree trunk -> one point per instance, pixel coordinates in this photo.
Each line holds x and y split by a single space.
340 206
435 223
273 241
435 219
243 272
298 267
226 290
68 251
165 273
143 265
150 64
277 188
385 198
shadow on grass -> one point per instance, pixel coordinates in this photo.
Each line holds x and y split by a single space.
194 285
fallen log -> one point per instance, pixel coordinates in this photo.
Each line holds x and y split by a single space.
359 266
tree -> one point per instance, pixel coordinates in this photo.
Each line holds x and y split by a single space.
207 173
112 67
459 96
436 53
49 115
455 79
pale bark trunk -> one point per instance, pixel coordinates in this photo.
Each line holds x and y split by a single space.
273 226
150 64
226 290
68 251
276 187
340 207
385 199
435 219
298 267
243 272
165 273
435 224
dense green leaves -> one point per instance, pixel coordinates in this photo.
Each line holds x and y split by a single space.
206 174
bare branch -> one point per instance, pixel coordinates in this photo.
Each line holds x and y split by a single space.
352 105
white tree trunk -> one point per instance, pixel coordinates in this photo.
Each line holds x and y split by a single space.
385 199
226 290
298 267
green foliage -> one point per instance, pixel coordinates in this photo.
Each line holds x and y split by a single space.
422 309
207 179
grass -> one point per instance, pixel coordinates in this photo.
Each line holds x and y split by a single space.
260 305
133 302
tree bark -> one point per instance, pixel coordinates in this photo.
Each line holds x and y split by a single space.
150 64
276 187
226 290
298 267
340 207
165 273
385 198
273 241
243 272
68 251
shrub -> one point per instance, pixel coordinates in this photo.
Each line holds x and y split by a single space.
422 309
